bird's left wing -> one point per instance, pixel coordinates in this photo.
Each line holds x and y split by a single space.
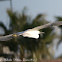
48 24
42 26
57 23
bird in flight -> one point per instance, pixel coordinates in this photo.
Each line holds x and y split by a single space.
31 33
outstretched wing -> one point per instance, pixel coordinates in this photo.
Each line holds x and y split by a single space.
11 36
5 38
47 25
42 26
58 23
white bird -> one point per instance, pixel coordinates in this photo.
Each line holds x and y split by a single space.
31 33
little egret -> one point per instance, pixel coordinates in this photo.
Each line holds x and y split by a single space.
31 33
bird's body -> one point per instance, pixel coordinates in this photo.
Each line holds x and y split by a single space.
31 33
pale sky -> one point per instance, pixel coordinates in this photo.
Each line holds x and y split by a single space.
50 7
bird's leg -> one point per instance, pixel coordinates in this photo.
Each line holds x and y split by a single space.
15 35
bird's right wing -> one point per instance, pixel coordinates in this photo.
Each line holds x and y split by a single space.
6 38
11 36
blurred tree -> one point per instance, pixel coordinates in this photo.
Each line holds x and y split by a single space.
58 18
34 48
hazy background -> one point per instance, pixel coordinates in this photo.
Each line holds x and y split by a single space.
50 7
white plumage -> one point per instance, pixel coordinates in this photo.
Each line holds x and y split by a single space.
32 34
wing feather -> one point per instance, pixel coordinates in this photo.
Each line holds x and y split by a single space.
6 38
57 23
47 25
42 26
